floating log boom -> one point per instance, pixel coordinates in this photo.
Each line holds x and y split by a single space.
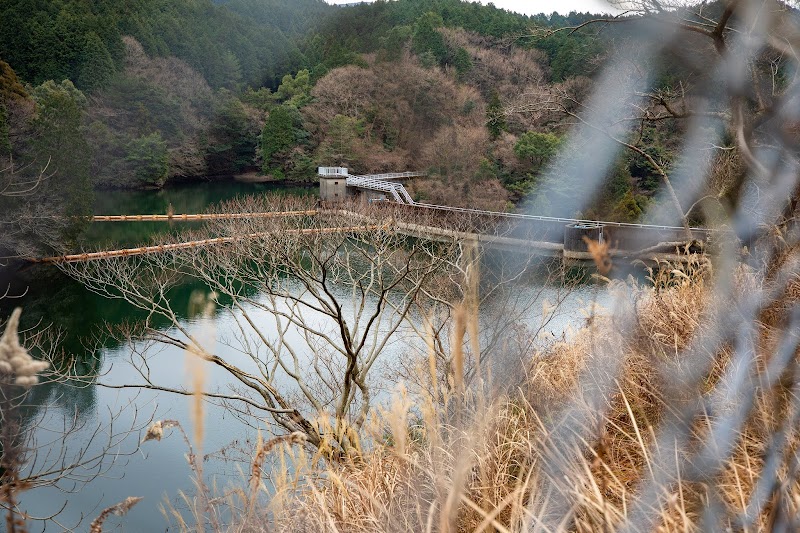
196 217
161 248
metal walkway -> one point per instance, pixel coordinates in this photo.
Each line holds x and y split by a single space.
376 182
398 193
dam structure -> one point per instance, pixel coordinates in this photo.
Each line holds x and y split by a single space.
556 236
392 207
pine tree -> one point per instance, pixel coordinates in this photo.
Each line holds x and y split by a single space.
96 65
462 61
59 139
150 159
427 38
537 148
5 143
278 136
496 120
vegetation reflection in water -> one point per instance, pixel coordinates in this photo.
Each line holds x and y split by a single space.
91 403
82 322
52 297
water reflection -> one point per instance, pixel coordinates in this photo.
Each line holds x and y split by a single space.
160 469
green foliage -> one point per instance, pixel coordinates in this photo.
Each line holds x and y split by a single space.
143 108
338 149
282 132
534 150
10 86
324 52
495 116
427 59
487 170
537 148
462 61
427 39
252 41
262 99
59 138
618 183
365 28
5 142
395 41
96 64
627 209
230 70
301 167
150 159
232 138
653 144
553 196
571 54
145 116
574 53
48 40
615 200
295 91
59 112
522 187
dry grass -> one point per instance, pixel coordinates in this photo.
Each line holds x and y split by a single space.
473 464
647 419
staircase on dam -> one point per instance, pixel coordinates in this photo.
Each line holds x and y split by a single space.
336 183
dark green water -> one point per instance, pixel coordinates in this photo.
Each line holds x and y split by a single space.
158 470
189 199
51 299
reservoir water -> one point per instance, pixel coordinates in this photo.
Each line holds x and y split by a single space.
158 471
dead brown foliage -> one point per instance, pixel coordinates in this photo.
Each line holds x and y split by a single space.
486 472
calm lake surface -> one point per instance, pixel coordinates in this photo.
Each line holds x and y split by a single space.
158 471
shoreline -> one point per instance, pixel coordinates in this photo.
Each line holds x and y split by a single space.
239 178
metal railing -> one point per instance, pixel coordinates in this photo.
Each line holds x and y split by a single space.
373 183
379 182
522 216
333 171
392 175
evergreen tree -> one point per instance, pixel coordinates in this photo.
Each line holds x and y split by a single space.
295 91
426 37
230 71
627 209
59 139
10 86
339 146
394 42
537 148
150 159
462 62
496 120
96 65
5 143
232 139
278 137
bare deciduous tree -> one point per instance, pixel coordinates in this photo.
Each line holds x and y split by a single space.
37 449
741 47
23 219
334 288
41 445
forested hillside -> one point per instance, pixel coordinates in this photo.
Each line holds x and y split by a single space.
131 94
144 93
371 365
244 41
